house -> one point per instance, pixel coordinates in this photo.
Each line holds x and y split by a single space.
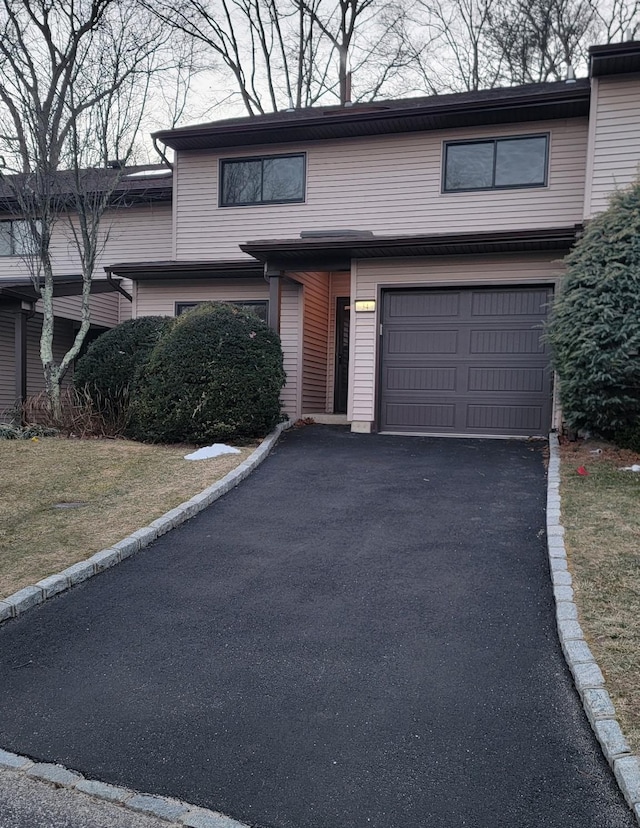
407 251
137 224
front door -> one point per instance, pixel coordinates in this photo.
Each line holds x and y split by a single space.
341 383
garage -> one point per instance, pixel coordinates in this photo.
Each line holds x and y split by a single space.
468 361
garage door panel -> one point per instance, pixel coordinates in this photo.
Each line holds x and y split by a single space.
486 372
506 342
503 303
410 416
518 379
423 306
421 379
504 418
422 342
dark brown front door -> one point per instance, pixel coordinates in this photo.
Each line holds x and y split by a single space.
467 361
341 384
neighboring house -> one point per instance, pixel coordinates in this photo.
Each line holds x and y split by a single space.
137 225
407 251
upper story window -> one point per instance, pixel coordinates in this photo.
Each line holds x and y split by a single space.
272 179
16 239
496 163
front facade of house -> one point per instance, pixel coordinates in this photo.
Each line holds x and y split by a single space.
408 251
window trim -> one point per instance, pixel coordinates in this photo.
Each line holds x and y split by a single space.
194 304
15 253
261 158
495 140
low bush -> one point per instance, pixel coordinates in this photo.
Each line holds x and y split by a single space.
114 358
8 431
216 374
107 372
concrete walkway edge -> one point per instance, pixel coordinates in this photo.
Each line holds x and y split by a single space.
587 676
172 810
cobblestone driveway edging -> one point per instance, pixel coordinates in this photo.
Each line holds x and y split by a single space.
587 676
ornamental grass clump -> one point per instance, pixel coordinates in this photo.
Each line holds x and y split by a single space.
215 375
594 329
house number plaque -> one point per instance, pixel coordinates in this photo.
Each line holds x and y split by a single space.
365 305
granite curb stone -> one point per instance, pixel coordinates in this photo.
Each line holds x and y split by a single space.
171 810
587 675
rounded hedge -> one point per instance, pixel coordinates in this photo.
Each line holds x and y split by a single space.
216 374
113 360
594 330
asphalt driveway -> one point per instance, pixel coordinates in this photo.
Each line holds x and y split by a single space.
361 635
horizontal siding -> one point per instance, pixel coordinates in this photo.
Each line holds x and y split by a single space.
159 298
104 308
386 184
132 234
291 338
7 361
615 150
370 274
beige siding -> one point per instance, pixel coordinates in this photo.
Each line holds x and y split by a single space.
339 286
368 275
159 298
132 234
104 308
315 336
291 338
614 151
387 184
7 361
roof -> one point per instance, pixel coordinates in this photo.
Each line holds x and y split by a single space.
167 270
333 252
71 285
493 106
136 184
614 59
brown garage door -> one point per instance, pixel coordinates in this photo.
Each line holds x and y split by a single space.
468 361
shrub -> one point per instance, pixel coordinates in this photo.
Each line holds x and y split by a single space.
108 370
216 374
113 359
8 431
594 330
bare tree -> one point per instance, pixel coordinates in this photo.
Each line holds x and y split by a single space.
282 53
74 77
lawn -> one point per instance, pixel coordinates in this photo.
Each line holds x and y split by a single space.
601 515
122 485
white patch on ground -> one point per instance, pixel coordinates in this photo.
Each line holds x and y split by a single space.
634 468
211 451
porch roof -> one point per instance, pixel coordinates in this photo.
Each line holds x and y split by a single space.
337 251
167 270
71 285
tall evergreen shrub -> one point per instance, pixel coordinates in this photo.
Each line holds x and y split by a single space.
217 374
594 329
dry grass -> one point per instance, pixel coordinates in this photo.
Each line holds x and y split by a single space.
602 517
125 485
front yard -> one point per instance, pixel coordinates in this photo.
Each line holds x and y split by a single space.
601 515
120 485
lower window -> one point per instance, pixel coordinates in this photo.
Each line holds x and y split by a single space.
260 307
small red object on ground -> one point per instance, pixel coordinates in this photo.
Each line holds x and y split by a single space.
582 471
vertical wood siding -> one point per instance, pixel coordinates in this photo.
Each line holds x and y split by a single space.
62 341
614 154
388 184
370 274
315 336
291 338
339 285
7 361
